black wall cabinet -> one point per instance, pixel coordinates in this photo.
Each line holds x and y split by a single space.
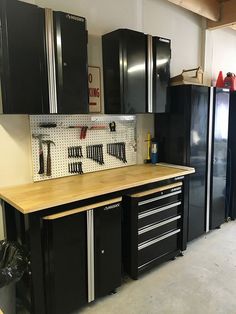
136 69
43 60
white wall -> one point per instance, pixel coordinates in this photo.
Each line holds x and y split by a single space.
220 52
182 27
15 154
157 17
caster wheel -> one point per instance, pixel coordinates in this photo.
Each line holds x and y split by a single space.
181 254
173 258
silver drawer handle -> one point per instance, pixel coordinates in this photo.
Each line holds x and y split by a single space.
149 243
158 198
152 227
158 210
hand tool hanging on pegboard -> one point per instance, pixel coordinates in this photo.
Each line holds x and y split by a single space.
95 152
84 129
41 157
83 132
112 126
75 167
75 152
117 150
49 159
47 125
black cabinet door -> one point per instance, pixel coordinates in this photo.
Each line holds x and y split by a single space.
71 63
23 66
112 73
231 175
65 243
107 234
219 158
161 73
134 69
124 67
198 160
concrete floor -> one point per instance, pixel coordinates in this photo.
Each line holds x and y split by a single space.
201 282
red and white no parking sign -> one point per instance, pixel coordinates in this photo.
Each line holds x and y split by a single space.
94 80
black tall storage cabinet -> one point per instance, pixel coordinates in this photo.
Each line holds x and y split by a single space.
43 60
195 133
183 139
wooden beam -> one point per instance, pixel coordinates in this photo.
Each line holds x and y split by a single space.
207 8
227 16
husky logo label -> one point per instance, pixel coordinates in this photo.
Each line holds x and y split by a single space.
112 206
75 18
179 178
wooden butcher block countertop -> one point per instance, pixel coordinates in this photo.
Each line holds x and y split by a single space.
29 198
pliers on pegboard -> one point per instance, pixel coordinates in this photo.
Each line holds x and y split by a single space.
83 132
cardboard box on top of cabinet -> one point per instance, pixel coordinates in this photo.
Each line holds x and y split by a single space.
191 76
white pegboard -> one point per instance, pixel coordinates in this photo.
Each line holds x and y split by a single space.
65 137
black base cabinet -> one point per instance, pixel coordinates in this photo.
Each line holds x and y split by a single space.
82 256
152 232
79 251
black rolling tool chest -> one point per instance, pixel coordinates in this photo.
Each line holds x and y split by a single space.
152 227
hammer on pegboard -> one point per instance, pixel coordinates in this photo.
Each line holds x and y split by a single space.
41 157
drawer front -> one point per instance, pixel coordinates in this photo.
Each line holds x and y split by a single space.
155 230
160 200
157 247
158 214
